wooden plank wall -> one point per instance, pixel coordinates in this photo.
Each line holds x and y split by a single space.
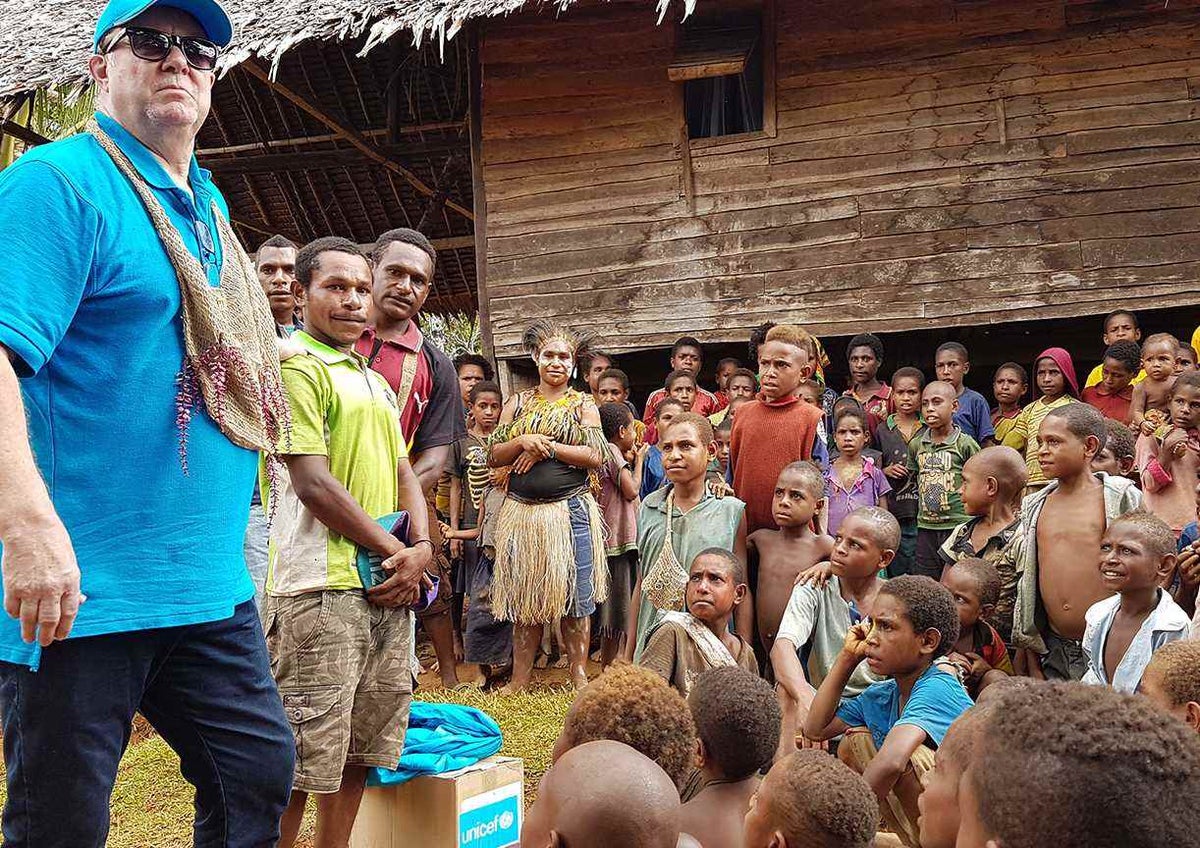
936 163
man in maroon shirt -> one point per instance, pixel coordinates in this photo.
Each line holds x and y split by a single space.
426 387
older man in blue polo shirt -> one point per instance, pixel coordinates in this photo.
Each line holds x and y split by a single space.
127 447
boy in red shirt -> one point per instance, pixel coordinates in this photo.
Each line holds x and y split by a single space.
1114 393
777 429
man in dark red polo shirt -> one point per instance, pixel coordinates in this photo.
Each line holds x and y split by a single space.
426 387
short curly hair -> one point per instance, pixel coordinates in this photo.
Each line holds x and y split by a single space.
810 475
1071 764
1155 533
1128 353
866 340
666 403
614 416
704 427
929 606
1120 441
985 577
679 375
885 529
819 800
1082 420
1176 668
737 718
479 361
614 374
633 705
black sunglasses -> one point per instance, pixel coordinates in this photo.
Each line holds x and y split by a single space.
153 45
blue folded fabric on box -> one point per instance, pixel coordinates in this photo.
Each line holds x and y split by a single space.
441 738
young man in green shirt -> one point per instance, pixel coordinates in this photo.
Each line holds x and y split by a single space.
340 655
937 458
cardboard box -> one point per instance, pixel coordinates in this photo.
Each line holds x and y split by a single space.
482 806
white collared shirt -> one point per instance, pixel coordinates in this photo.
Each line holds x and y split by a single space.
1166 623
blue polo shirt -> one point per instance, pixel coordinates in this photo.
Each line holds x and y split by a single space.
91 309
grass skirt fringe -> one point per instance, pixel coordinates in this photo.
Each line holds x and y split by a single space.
538 563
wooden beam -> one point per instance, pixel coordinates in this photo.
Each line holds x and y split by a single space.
479 189
304 141
303 160
254 69
22 133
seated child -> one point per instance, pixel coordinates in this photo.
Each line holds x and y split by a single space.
979 652
939 801
777 429
892 728
1172 680
937 460
893 437
814 625
1151 402
811 800
653 476
1057 386
852 480
1064 764
677 523
603 794
737 722
633 705
1120 325
992 482
777 556
864 355
1113 395
1117 455
1009 384
951 364
1061 529
619 486
1137 556
1169 479
682 645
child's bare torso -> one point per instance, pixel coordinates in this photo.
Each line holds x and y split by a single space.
1158 393
1120 637
780 559
715 815
1069 531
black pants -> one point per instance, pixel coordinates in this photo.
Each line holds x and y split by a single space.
929 560
207 690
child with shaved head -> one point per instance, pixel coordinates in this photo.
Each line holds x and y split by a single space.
992 482
936 461
1061 764
811 800
603 794
737 722
1137 555
1172 680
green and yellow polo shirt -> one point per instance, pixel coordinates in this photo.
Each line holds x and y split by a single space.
342 410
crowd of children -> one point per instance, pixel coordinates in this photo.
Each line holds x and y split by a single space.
890 616
912 569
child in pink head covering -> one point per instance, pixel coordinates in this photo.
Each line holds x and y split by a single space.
1057 385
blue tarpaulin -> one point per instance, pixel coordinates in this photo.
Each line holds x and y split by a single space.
441 738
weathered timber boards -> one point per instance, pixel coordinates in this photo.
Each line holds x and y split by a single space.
888 194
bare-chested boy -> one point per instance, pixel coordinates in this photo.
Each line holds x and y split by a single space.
777 556
1061 529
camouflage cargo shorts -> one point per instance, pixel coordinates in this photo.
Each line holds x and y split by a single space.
343 672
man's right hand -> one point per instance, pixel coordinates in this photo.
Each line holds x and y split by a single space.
41 581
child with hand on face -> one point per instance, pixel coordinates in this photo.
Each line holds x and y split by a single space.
1009 384
979 653
852 479
1136 556
894 435
777 556
818 615
1168 480
891 729
682 645
1057 385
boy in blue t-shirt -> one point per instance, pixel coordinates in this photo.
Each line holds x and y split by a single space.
973 416
897 722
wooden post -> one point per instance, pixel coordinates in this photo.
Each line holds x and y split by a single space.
478 189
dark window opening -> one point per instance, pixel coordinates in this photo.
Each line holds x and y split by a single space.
721 68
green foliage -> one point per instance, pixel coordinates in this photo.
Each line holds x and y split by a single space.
454 333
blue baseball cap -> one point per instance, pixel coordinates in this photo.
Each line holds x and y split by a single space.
213 19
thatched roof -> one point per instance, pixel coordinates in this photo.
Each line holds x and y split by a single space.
46 42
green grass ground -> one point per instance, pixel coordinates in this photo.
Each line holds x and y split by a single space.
152 804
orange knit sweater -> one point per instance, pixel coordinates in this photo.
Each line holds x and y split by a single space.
767 436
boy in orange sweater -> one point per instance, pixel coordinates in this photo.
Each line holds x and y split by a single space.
777 429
